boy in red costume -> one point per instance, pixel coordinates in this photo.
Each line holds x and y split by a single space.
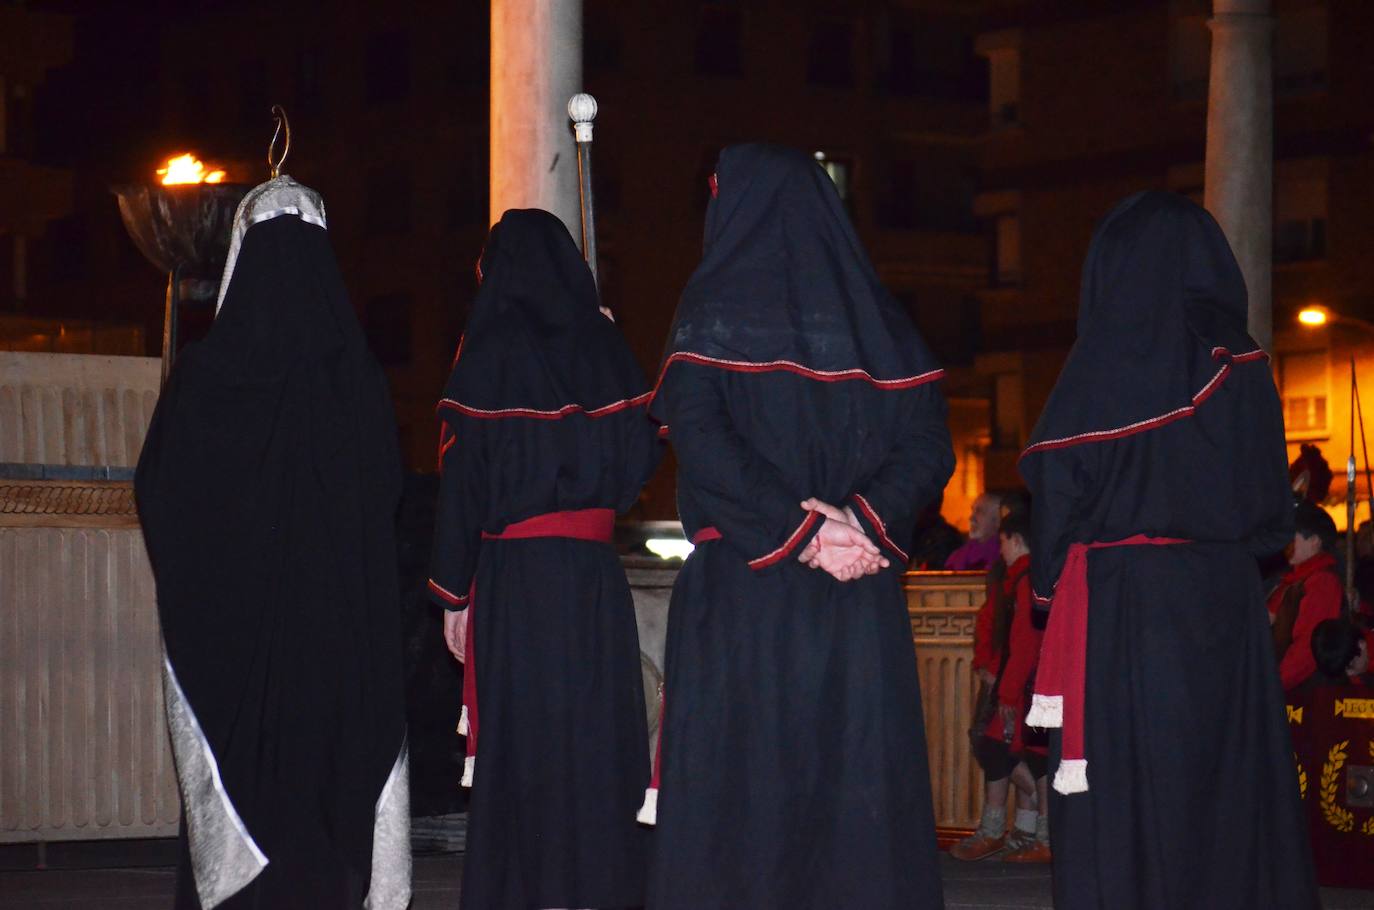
1309 594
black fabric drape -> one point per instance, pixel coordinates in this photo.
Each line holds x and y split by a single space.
535 340
785 284
1152 430
267 488
544 413
793 753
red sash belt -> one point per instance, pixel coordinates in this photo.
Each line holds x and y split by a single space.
1060 680
706 534
595 525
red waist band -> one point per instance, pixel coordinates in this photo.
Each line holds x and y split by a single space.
1061 678
595 525
705 534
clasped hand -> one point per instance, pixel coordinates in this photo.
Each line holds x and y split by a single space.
840 547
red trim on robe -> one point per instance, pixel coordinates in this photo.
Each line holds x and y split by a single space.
789 366
537 414
1152 423
881 528
788 545
457 600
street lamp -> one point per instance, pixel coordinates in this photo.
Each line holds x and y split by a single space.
1315 316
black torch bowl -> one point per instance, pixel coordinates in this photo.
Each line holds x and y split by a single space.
183 230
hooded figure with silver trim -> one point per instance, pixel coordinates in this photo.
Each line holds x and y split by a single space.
267 489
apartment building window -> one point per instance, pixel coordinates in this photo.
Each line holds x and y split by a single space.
896 206
1004 77
254 105
388 325
604 43
469 52
388 67
1305 382
1190 57
1300 48
387 201
929 58
830 54
309 81
467 198
720 39
1006 249
1300 206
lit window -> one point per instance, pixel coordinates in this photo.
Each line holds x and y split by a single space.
1305 383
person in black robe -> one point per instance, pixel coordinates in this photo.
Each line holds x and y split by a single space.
793 770
1158 472
544 440
267 488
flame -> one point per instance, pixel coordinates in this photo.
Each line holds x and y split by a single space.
187 168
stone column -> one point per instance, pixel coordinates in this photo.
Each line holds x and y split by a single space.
536 66
1240 147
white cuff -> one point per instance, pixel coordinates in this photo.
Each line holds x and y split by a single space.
1072 776
1046 711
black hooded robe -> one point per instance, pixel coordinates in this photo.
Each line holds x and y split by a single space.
1165 424
545 414
267 488
793 757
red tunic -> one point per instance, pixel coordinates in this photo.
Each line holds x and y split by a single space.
1023 651
1321 601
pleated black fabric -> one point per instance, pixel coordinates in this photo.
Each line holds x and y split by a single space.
562 757
1192 799
267 489
794 767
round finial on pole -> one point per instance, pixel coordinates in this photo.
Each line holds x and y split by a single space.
582 111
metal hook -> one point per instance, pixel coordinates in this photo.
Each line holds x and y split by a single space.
283 126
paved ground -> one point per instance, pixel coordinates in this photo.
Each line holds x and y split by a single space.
980 886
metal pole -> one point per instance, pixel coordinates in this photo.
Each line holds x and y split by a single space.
169 322
1350 595
582 111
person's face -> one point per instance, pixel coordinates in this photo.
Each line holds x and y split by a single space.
1012 548
1304 548
1359 664
983 520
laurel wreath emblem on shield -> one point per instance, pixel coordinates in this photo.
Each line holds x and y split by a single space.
1302 777
1341 819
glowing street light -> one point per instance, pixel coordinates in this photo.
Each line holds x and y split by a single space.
1313 316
